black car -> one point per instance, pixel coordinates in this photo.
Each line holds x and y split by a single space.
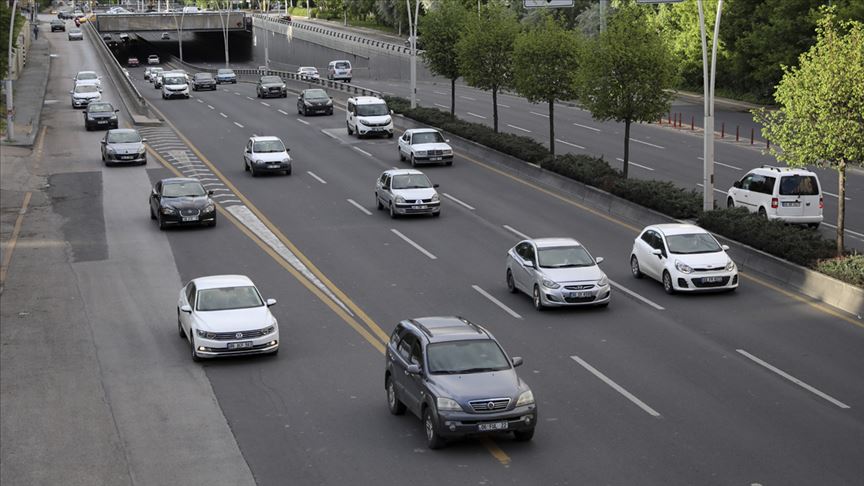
313 101
100 114
203 81
181 201
58 25
454 375
271 86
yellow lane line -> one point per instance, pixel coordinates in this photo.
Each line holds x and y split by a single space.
16 230
496 451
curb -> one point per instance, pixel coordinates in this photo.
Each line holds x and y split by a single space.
44 58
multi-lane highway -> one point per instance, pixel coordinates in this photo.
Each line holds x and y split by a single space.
760 386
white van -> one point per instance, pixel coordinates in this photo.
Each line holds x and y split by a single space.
191 10
175 85
784 193
339 70
368 115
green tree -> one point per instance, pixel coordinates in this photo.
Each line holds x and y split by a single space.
626 72
820 119
545 62
5 14
485 52
440 30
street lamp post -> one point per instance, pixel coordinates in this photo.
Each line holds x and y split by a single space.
412 31
10 105
180 31
708 87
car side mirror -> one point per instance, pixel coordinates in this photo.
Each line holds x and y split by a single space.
599 260
517 361
102 142
116 111
657 251
186 308
287 149
210 192
391 112
737 184
413 369
528 263
446 140
271 302
71 92
725 247
143 140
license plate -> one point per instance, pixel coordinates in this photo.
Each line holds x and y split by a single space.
434 158
580 294
712 279
240 345
102 122
418 207
493 426
127 157
190 218
793 204
273 166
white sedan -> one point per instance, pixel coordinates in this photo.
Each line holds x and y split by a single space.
684 257
224 315
308 72
425 145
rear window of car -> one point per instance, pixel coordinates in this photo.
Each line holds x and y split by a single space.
225 71
342 65
100 107
203 76
799 185
123 137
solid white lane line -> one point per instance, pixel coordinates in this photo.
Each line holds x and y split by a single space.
647 143
302 121
619 159
724 165
415 245
440 93
715 189
478 116
519 128
635 295
835 196
361 208
468 98
223 115
283 112
570 144
516 232
847 230
496 302
322 181
793 379
265 104
616 387
538 114
457 201
239 125
211 107
362 151
439 105
586 126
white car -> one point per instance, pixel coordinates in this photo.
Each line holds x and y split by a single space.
790 195
406 191
266 154
225 315
152 59
83 94
684 257
174 85
557 272
424 145
308 72
88 77
368 115
154 73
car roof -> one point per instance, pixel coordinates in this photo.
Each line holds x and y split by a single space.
448 328
554 242
220 281
340 60
85 72
422 130
153 55
393 172
772 170
678 229
367 100
123 130
308 67
178 180
265 139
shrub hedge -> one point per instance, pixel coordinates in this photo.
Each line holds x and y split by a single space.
849 268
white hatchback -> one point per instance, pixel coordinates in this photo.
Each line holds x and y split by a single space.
783 193
266 154
684 257
224 315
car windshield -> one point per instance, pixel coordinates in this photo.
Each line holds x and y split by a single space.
411 181
564 257
799 185
183 189
225 71
308 70
316 94
100 107
83 76
228 298
461 357
692 243
377 109
123 137
86 88
268 146
152 56
271 80
74 31
203 76
427 137
342 65
173 80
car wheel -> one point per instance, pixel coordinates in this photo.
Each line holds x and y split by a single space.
392 211
393 403
634 267
252 170
284 95
390 135
433 440
413 161
288 172
180 326
437 215
538 299
667 283
511 284
449 163
245 166
195 356
523 435
762 213
330 112
162 224
348 126
378 204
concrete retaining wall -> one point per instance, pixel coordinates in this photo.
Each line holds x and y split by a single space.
158 22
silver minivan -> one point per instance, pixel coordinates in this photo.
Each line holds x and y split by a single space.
339 70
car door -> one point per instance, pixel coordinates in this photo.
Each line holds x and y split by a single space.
741 190
247 153
351 109
300 100
384 192
408 353
656 263
155 195
648 262
404 144
187 297
523 274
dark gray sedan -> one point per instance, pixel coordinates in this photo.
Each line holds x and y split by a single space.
314 100
203 81
271 86
124 146
100 114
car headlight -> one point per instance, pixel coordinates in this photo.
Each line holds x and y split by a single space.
268 330
435 197
448 404
361 121
168 210
730 266
604 280
329 102
525 398
110 151
307 103
388 120
400 199
209 208
142 151
682 267
259 162
550 284
421 153
113 117
286 160
205 334
448 152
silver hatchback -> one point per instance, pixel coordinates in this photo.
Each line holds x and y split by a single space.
557 272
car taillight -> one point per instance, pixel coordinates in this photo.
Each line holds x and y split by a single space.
821 202
774 203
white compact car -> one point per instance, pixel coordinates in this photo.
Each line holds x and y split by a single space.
83 94
88 77
557 272
406 191
174 85
425 145
790 195
308 72
684 257
266 154
224 315
368 115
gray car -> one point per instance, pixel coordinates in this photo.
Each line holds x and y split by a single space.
557 272
124 146
271 86
454 375
406 191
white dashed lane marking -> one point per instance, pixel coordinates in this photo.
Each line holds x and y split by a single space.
358 206
415 245
496 301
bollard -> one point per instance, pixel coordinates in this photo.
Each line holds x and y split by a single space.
680 119
692 122
767 143
751 136
723 130
736 132
670 117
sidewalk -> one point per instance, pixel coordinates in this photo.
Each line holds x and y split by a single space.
29 91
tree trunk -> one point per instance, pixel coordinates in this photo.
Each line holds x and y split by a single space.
495 110
626 147
453 98
841 206
552 127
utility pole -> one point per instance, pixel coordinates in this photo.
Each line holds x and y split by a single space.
412 31
10 105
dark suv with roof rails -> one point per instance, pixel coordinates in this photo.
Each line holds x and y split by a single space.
455 376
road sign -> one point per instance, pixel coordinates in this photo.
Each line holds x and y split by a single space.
547 3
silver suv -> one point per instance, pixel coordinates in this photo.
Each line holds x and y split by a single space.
454 375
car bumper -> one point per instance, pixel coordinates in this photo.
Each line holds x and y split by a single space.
458 424
696 281
226 80
434 159
271 167
106 123
428 208
364 130
563 297
274 94
205 86
75 38
152 63
121 159
206 348
177 220
176 94
82 103
798 219
311 110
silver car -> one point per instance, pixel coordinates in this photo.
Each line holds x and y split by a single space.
557 272
124 146
406 191
83 94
